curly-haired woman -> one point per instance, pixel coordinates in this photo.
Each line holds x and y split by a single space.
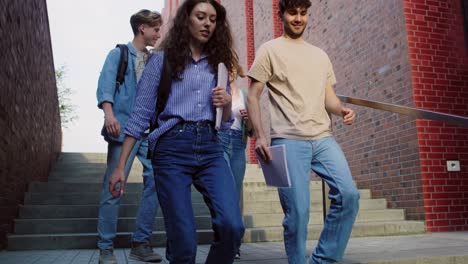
184 144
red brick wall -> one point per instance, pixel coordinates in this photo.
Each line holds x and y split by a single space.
277 23
368 48
439 65
29 118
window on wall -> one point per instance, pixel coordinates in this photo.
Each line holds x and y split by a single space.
465 19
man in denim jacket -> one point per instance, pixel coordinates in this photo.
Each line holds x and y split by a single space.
117 103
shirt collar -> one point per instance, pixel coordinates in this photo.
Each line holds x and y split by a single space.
202 57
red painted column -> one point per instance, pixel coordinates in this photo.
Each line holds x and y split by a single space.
277 23
439 73
250 43
170 8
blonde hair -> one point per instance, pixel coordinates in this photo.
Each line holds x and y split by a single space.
145 17
236 73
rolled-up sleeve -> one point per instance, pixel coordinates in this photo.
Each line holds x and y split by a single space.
145 101
106 83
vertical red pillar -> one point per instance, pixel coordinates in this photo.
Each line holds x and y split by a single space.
277 23
170 8
250 44
439 63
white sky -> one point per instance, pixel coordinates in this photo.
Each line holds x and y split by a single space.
82 34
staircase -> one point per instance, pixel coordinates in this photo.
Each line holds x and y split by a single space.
263 215
62 213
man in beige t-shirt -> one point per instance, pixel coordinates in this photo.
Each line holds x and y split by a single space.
300 79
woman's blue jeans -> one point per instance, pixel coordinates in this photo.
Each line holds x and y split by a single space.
325 158
190 153
234 153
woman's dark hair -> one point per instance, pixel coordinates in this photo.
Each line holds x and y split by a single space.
284 5
219 47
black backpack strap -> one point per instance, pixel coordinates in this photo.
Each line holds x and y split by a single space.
164 91
123 63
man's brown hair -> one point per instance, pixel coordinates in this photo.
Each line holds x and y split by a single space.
284 5
145 17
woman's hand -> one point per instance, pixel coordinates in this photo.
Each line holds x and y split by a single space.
220 97
244 114
118 176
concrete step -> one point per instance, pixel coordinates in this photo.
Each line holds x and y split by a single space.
76 182
85 198
270 234
82 157
88 240
89 225
60 187
265 207
272 195
70 166
260 185
315 217
203 221
252 235
87 211
98 178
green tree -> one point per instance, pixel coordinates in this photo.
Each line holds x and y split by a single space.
67 110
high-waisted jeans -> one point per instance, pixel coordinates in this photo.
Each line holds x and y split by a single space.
190 153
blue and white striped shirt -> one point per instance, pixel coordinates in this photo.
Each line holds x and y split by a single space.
189 100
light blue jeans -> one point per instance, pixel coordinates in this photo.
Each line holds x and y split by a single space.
234 153
324 157
109 205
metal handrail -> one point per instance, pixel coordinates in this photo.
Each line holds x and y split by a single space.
409 111
404 110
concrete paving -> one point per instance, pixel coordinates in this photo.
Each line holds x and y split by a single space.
431 248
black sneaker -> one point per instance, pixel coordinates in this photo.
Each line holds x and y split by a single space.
142 251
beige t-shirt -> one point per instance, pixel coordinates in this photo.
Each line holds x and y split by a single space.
296 74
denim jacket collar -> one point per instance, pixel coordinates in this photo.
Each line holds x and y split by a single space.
131 48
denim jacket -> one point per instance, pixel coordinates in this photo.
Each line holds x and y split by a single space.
122 99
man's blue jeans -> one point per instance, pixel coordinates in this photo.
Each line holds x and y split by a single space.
109 205
234 153
190 153
325 158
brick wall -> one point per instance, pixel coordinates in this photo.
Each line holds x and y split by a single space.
439 63
368 48
31 134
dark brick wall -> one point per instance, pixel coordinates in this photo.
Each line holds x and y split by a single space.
439 63
29 118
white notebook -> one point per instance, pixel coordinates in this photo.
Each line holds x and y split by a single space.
276 171
222 82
